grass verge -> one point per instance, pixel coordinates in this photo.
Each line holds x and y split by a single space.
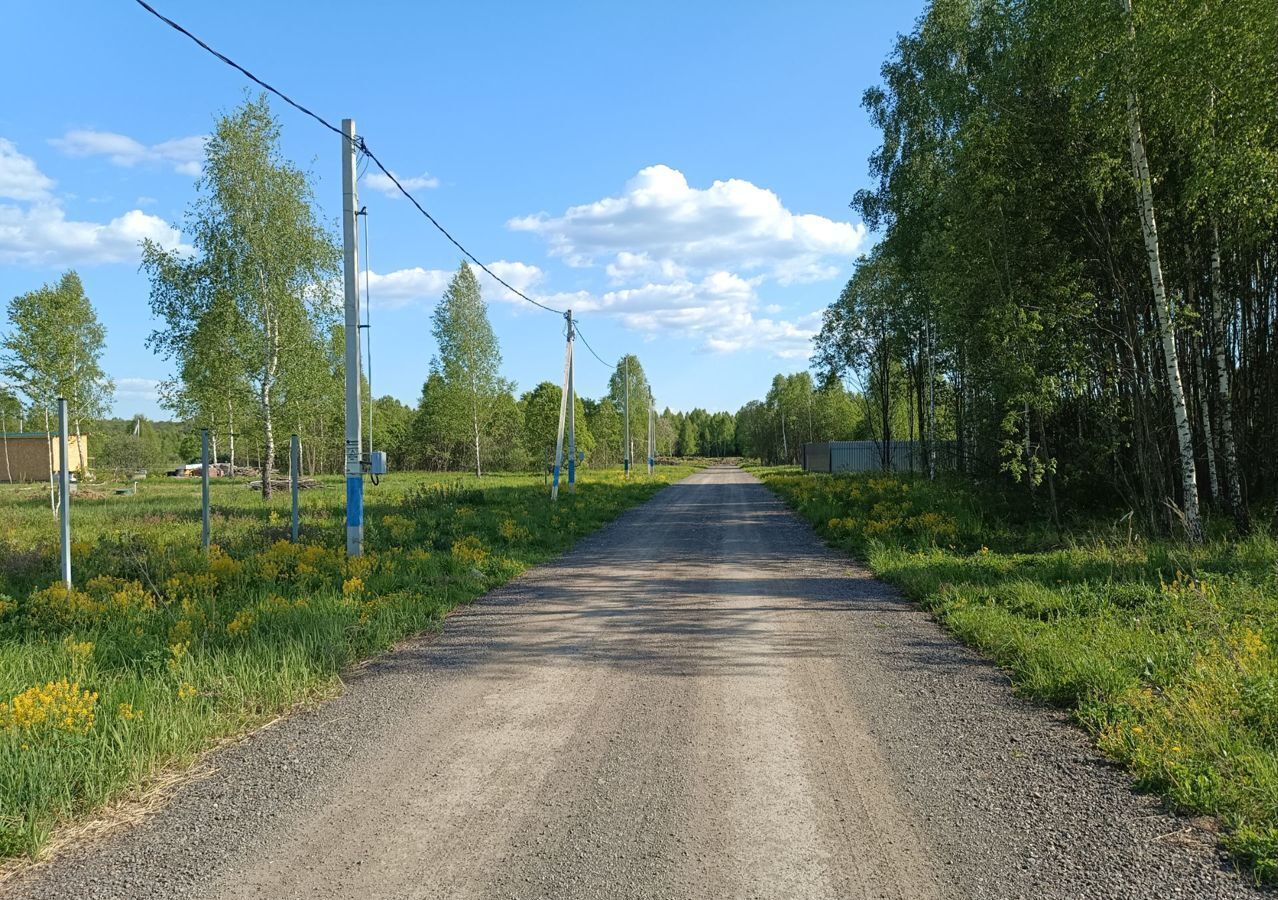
159 651
1164 653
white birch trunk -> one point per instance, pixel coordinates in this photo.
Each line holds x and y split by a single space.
1162 310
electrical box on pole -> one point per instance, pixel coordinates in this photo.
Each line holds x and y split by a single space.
350 269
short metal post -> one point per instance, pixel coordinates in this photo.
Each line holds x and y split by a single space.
294 460
204 488
64 490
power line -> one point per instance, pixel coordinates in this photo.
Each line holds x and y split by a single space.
233 64
577 332
363 146
360 143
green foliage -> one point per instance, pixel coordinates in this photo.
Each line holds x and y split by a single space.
1167 654
53 348
1013 279
248 319
540 408
467 364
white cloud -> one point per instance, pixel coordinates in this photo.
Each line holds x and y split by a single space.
182 154
20 178
661 222
38 232
144 389
43 235
406 287
521 276
719 311
379 182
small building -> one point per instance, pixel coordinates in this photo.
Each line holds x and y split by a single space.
35 456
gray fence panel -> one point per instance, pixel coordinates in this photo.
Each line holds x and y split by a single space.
867 456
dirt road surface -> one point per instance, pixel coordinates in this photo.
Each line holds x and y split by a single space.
699 701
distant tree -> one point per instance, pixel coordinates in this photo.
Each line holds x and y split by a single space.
468 364
53 349
130 445
504 449
687 437
250 312
640 398
393 430
540 408
604 422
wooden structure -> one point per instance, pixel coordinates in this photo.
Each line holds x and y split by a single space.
34 456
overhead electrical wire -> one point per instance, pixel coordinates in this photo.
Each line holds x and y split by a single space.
360 143
577 332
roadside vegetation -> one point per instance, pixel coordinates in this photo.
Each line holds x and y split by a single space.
159 651
1163 651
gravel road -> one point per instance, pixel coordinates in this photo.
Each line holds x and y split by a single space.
699 701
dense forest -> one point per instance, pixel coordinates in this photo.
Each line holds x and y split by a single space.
1077 277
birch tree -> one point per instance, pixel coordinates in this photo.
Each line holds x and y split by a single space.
54 348
257 297
467 363
1163 316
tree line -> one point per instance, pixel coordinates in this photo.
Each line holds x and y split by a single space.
248 320
1077 279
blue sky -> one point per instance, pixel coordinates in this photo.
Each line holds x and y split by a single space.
677 172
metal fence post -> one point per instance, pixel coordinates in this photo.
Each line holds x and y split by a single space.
204 489
64 490
294 461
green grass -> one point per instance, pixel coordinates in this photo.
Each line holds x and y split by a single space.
1164 653
159 652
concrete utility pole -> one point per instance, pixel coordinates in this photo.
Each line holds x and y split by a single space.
565 404
350 269
572 415
64 490
652 437
627 405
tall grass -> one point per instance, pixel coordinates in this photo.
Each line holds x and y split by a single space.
159 650
1164 652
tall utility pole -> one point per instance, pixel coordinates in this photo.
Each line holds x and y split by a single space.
652 436
567 415
572 414
626 395
350 269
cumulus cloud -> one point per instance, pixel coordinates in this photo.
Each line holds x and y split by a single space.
407 287
137 389
719 311
404 287
20 177
661 222
379 182
182 154
36 230
43 235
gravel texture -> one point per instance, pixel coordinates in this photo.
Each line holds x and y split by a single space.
699 701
